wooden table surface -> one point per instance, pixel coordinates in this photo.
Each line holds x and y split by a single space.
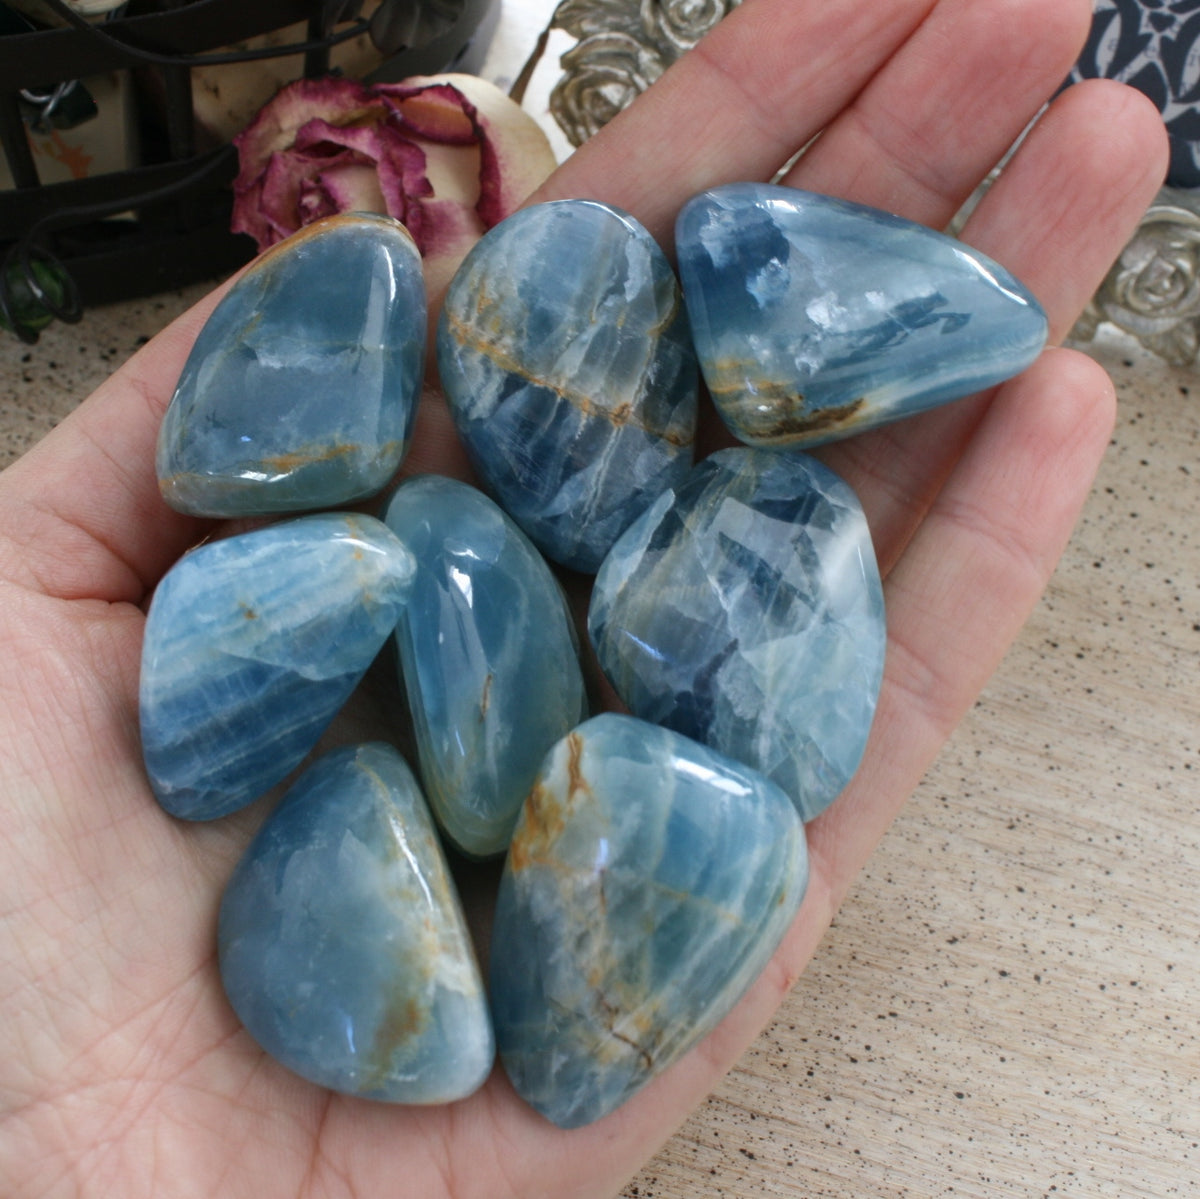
1009 1002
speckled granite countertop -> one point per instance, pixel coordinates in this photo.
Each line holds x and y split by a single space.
1009 1002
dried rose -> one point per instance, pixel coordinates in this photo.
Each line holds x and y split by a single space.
449 156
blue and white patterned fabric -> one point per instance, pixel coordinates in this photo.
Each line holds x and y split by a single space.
1153 45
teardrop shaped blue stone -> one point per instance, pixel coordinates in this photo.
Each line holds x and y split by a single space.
487 655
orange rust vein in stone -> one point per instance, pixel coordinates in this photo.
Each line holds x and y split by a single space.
791 427
544 815
642 1052
663 325
619 416
575 777
402 1020
282 464
642 1019
317 229
785 418
541 825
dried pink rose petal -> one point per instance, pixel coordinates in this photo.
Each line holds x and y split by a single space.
267 189
438 112
448 155
515 153
340 101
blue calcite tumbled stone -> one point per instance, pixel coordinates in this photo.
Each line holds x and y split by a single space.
301 389
744 609
252 644
565 354
648 883
815 318
487 655
342 945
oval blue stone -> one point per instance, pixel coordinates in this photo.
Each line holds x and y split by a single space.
815 318
648 883
564 351
252 645
487 655
342 945
301 389
745 610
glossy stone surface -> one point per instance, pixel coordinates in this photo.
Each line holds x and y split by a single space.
301 389
815 318
745 610
487 656
565 354
342 946
648 883
252 645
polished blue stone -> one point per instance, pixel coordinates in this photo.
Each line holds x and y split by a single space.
565 354
745 610
252 644
487 656
648 883
342 945
301 389
815 318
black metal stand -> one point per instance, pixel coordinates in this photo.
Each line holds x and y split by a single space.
165 222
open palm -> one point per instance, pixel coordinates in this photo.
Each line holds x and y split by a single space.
123 1070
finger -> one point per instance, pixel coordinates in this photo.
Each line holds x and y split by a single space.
968 580
945 109
1066 205
738 106
80 513
1057 217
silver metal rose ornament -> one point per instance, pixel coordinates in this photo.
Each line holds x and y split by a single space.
1153 289
622 48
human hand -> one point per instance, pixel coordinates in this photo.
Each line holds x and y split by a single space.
125 1072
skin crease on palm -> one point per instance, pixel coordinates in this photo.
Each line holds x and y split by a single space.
123 1070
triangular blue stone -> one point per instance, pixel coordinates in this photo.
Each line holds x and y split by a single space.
342 943
648 883
252 645
815 318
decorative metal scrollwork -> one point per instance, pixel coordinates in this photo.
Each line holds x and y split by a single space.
621 49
